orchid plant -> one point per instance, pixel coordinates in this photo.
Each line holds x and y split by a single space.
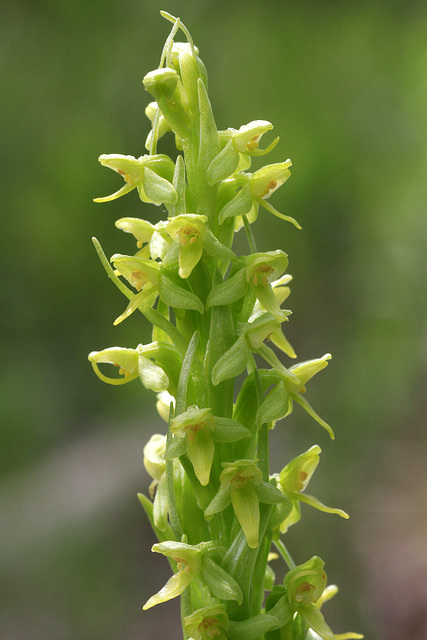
214 505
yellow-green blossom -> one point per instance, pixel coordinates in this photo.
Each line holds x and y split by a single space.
305 587
207 623
236 144
131 364
189 231
252 190
154 462
188 562
192 237
192 561
150 175
293 480
195 426
279 402
242 486
151 239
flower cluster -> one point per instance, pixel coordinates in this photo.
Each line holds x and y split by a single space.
213 503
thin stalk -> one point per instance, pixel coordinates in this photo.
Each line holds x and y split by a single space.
249 235
284 553
263 442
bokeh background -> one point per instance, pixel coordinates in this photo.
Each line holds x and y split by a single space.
345 84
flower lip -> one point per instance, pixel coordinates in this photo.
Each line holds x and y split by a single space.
265 181
248 136
126 360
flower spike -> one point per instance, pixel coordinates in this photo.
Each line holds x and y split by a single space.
219 385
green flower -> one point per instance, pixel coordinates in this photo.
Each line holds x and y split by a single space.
242 487
150 175
193 561
151 239
235 144
174 87
281 292
154 456
162 125
306 586
293 480
190 233
189 563
253 190
196 426
154 462
251 338
150 281
195 432
164 400
131 364
207 623
143 274
279 402
260 270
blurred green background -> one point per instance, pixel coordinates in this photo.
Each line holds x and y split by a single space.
345 84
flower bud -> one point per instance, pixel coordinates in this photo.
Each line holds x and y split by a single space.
154 456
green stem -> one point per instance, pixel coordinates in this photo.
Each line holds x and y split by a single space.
186 609
284 553
263 441
249 235
173 511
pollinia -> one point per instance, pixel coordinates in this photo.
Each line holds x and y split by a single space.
215 508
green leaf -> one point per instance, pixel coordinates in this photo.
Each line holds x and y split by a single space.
269 494
275 406
240 205
229 291
221 501
158 189
151 375
178 297
178 208
181 395
214 247
277 605
220 582
229 430
252 628
208 149
224 164
233 362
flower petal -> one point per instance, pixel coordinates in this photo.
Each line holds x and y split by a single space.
246 507
173 588
314 502
200 451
